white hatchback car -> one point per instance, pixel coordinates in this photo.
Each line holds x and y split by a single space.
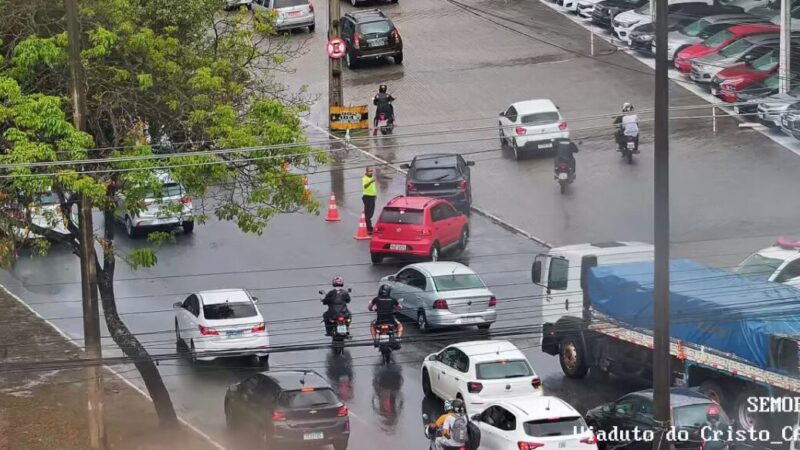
531 125
219 323
479 372
543 423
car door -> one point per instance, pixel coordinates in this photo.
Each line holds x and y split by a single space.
452 216
441 226
642 420
244 409
187 317
456 373
508 120
402 288
622 415
441 373
347 32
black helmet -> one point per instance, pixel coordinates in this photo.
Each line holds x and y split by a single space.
385 291
458 405
382 89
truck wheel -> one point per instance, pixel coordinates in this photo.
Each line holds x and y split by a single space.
714 391
745 419
572 359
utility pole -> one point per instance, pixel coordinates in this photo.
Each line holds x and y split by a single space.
91 312
335 94
662 371
785 60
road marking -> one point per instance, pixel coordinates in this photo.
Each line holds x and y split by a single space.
117 374
497 220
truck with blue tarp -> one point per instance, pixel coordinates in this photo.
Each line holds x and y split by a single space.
734 338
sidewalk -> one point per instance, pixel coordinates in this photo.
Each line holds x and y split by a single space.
47 410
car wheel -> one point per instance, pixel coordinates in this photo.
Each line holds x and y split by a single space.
572 359
484 326
422 321
130 230
265 440
462 243
354 2
426 384
193 353
349 60
340 445
188 227
230 421
178 338
434 255
714 391
376 258
398 59
515 148
311 28
503 142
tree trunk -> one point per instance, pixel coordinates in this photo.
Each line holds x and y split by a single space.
126 340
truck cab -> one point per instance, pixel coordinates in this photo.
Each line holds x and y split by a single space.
779 263
559 273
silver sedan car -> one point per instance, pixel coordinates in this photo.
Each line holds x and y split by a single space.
443 294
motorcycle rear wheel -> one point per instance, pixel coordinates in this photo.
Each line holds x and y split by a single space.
563 187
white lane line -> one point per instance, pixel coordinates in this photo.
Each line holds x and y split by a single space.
117 374
497 220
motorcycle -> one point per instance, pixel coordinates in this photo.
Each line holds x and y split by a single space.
385 124
629 146
564 176
339 326
386 341
431 432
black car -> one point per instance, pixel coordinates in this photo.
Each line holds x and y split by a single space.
605 11
689 410
288 407
443 175
370 35
790 121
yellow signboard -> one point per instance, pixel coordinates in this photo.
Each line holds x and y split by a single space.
349 117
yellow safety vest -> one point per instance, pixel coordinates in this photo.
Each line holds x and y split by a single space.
370 190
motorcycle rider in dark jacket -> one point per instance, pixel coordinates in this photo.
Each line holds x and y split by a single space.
383 104
385 307
565 153
336 300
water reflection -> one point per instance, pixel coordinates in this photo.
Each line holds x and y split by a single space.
387 399
339 369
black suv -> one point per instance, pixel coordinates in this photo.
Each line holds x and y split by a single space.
605 11
443 175
288 407
370 35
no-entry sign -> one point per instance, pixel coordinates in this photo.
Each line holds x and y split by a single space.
336 48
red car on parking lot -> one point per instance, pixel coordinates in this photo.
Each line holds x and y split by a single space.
683 60
737 78
418 226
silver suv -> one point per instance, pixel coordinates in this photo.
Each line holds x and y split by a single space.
159 212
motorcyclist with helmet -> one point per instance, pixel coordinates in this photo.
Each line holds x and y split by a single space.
383 104
385 307
565 153
336 300
627 125
450 428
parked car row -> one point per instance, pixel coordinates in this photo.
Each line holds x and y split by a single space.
731 48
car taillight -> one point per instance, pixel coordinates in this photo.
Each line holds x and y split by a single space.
424 232
528 445
395 35
589 440
536 383
440 304
563 166
186 199
384 328
259 328
411 186
208 331
474 387
342 411
278 416
462 184
492 302
340 319
562 126
520 130
310 7
356 42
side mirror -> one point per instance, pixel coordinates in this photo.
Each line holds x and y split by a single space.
391 278
536 272
321 292
470 163
405 166
476 418
558 107
255 299
502 114
177 305
433 357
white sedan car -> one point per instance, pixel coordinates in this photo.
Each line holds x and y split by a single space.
220 323
479 372
531 126
543 423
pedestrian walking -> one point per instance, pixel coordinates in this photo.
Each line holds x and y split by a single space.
370 192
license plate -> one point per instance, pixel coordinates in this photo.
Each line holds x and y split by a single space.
383 338
341 329
313 436
377 42
295 13
397 247
631 145
546 145
562 176
233 333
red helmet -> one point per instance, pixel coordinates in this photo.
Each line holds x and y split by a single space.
338 282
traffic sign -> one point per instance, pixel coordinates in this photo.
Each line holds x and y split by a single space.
336 48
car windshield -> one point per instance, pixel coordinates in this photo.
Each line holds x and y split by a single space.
695 28
382 27
397 215
735 48
220 311
289 3
766 61
436 174
718 39
47 198
758 267
302 399
696 416
558 426
458 282
498 370
167 190
542 118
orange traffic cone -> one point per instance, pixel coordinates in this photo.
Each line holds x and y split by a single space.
362 234
308 189
333 211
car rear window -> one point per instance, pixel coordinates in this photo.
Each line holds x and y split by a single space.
437 174
696 27
697 415
498 370
398 215
457 282
560 426
307 399
718 39
766 61
543 118
220 311
735 48
167 190
48 198
289 3
382 27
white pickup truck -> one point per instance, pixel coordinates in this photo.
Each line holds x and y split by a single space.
779 263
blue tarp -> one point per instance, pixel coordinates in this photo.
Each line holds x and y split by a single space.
708 306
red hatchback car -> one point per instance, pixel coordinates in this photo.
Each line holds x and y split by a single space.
737 78
683 60
418 226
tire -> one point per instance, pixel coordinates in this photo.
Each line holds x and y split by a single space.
130 230
714 391
426 385
572 359
393 1
515 148
398 59
484 326
563 187
311 28
462 243
422 321
745 419
263 362
354 2
193 353
188 227
349 60
376 258
435 253
229 419
386 356
629 157
503 142
340 445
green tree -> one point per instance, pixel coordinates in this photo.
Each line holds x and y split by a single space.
179 88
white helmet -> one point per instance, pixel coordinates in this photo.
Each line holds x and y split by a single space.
627 107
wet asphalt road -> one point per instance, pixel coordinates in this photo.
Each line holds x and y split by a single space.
731 193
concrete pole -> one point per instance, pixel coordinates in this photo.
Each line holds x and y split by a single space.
335 93
785 47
